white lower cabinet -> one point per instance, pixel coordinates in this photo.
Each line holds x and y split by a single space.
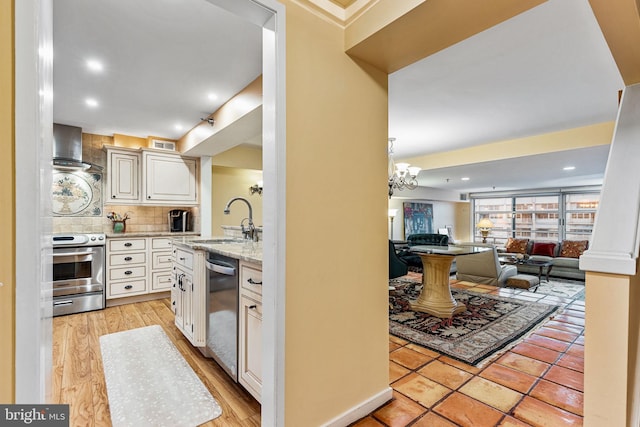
126 267
138 266
188 294
250 329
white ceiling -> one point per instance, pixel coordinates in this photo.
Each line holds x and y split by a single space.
161 60
545 70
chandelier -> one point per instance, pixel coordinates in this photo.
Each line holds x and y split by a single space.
401 175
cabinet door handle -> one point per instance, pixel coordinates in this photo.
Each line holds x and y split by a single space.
128 258
253 307
182 258
253 282
128 272
113 197
128 244
129 287
148 197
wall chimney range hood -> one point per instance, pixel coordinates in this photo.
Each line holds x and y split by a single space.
67 149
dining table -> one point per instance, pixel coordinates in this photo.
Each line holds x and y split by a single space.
435 297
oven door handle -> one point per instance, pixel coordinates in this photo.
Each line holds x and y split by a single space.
222 269
59 258
63 302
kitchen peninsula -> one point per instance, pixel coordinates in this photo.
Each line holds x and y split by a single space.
216 296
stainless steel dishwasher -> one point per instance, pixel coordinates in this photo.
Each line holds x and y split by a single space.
222 309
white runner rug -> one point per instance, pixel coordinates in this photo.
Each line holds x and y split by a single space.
150 384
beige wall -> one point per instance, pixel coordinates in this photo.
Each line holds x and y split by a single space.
569 139
227 183
336 342
7 201
462 230
233 172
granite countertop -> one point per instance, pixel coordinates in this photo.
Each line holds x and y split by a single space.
151 234
244 250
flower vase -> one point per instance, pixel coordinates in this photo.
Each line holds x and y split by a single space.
119 226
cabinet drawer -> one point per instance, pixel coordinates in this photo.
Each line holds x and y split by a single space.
126 259
160 260
161 281
127 245
251 278
184 258
128 287
161 243
132 272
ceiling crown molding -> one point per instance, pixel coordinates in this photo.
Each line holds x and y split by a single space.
333 10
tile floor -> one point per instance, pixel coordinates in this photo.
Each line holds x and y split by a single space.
539 382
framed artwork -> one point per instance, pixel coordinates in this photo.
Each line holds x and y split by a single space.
76 194
418 218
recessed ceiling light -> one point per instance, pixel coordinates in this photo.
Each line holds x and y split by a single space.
94 65
568 168
212 96
178 127
91 102
466 178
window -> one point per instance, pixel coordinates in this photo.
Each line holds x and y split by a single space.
545 217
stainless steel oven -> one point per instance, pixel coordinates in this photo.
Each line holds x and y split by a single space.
78 273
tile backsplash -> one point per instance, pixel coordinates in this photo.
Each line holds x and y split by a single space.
141 219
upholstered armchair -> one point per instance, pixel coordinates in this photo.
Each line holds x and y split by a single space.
484 268
397 267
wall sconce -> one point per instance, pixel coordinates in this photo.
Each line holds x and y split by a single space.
485 225
256 188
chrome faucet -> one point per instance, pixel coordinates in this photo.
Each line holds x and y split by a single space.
250 231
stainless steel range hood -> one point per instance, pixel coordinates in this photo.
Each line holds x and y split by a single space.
67 149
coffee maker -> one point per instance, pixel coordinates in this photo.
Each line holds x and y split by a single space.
179 220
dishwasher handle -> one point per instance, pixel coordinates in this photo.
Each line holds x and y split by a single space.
220 268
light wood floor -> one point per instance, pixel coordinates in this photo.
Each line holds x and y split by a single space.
78 378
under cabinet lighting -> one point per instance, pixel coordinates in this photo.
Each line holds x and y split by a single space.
91 102
568 168
466 178
212 97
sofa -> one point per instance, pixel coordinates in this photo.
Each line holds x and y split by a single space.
564 256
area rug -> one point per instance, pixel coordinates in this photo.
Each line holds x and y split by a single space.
490 325
150 384
563 288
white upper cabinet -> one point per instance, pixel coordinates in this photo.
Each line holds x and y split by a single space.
124 171
169 178
149 177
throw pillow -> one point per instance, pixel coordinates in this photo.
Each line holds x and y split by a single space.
517 246
542 248
573 248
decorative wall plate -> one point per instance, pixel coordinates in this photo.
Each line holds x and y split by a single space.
76 194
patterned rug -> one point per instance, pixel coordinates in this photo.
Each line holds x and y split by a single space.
491 324
149 383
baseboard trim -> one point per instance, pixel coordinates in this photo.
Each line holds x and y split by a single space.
138 298
361 410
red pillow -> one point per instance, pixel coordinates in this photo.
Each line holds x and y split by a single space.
546 249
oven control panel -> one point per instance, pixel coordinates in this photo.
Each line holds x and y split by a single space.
82 239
